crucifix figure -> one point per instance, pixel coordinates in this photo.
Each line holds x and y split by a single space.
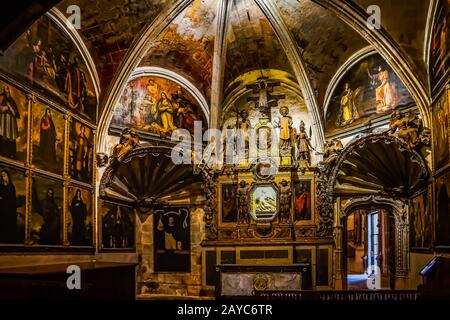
263 98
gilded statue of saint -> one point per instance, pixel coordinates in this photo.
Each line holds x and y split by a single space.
285 126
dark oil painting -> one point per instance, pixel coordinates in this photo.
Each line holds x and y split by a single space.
172 239
46 223
48 138
118 227
12 205
81 152
13 123
80 217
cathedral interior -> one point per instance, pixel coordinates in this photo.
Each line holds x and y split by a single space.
214 149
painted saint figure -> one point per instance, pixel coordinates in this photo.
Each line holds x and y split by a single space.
302 202
348 112
49 210
81 155
47 138
75 86
8 213
385 92
166 110
9 113
78 211
172 241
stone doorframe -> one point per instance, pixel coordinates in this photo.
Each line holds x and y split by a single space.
398 208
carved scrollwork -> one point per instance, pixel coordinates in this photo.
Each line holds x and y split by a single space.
210 188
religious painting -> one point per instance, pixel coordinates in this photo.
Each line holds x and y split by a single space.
81 152
229 202
264 202
13 123
158 106
186 46
440 43
172 240
48 138
442 205
441 143
302 200
118 227
47 59
421 223
367 91
12 205
80 219
46 219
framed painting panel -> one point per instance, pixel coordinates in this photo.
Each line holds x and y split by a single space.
421 221
12 205
47 213
304 201
48 138
13 122
81 152
441 141
118 227
264 201
442 207
229 205
172 239
440 44
80 217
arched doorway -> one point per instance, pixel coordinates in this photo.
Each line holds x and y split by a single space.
369 248
374 172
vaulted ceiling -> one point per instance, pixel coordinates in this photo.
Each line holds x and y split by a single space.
213 42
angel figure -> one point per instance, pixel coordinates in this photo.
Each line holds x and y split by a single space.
409 127
348 112
385 93
129 140
332 150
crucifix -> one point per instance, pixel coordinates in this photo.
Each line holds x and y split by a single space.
263 98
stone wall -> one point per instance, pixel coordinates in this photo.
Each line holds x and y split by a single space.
170 283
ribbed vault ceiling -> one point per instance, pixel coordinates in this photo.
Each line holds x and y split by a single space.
321 39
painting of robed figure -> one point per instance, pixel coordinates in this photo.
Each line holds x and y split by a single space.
172 239
302 200
48 138
118 227
12 205
80 218
81 152
13 122
47 212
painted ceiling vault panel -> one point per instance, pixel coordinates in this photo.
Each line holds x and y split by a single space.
405 21
325 42
251 42
187 45
108 27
